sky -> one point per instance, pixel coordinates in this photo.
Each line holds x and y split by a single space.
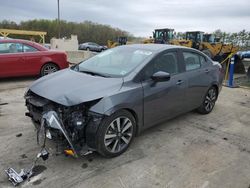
139 17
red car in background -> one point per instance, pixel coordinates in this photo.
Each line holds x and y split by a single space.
26 58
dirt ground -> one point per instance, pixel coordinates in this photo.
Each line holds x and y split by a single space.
192 150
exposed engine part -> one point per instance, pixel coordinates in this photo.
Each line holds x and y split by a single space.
63 124
50 119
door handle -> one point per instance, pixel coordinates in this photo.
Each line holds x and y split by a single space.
207 71
179 82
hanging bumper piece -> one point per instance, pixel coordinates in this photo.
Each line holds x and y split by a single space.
25 174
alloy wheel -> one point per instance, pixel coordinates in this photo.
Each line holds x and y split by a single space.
48 69
118 134
210 99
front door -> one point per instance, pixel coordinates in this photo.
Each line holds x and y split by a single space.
163 100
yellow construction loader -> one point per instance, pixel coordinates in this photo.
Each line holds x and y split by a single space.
207 43
161 36
122 40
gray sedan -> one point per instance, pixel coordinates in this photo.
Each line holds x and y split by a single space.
102 103
91 46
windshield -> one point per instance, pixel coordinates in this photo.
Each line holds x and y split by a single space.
116 62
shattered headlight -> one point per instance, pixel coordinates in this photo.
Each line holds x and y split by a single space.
95 116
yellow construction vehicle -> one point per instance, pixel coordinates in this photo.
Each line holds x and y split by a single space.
122 40
207 43
215 42
148 40
195 39
161 36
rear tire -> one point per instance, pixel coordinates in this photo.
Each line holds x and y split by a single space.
48 68
115 134
208 101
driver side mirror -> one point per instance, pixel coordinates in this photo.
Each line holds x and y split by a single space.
160 76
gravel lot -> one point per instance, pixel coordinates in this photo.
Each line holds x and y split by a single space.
192 150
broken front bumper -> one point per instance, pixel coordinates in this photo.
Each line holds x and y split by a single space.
50 120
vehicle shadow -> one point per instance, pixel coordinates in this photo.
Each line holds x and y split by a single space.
18 79
15 83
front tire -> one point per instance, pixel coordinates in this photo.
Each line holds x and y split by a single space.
115 134
208 101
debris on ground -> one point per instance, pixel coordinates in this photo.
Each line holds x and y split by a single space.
19 135
25 174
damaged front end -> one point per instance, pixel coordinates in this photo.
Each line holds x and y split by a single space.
72 127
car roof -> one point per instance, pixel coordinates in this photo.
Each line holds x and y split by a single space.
34 44
155 47
15 40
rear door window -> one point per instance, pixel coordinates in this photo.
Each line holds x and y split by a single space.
27 48
192 61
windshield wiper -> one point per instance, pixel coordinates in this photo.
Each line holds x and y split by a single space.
94 73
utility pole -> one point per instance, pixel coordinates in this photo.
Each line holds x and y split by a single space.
58 19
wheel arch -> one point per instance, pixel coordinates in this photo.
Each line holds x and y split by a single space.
130 110
216 87
134 114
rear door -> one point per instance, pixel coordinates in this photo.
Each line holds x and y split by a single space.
163 100
96 47
198 74
11 60
92 46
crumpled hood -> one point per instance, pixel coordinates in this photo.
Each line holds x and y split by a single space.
68 87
